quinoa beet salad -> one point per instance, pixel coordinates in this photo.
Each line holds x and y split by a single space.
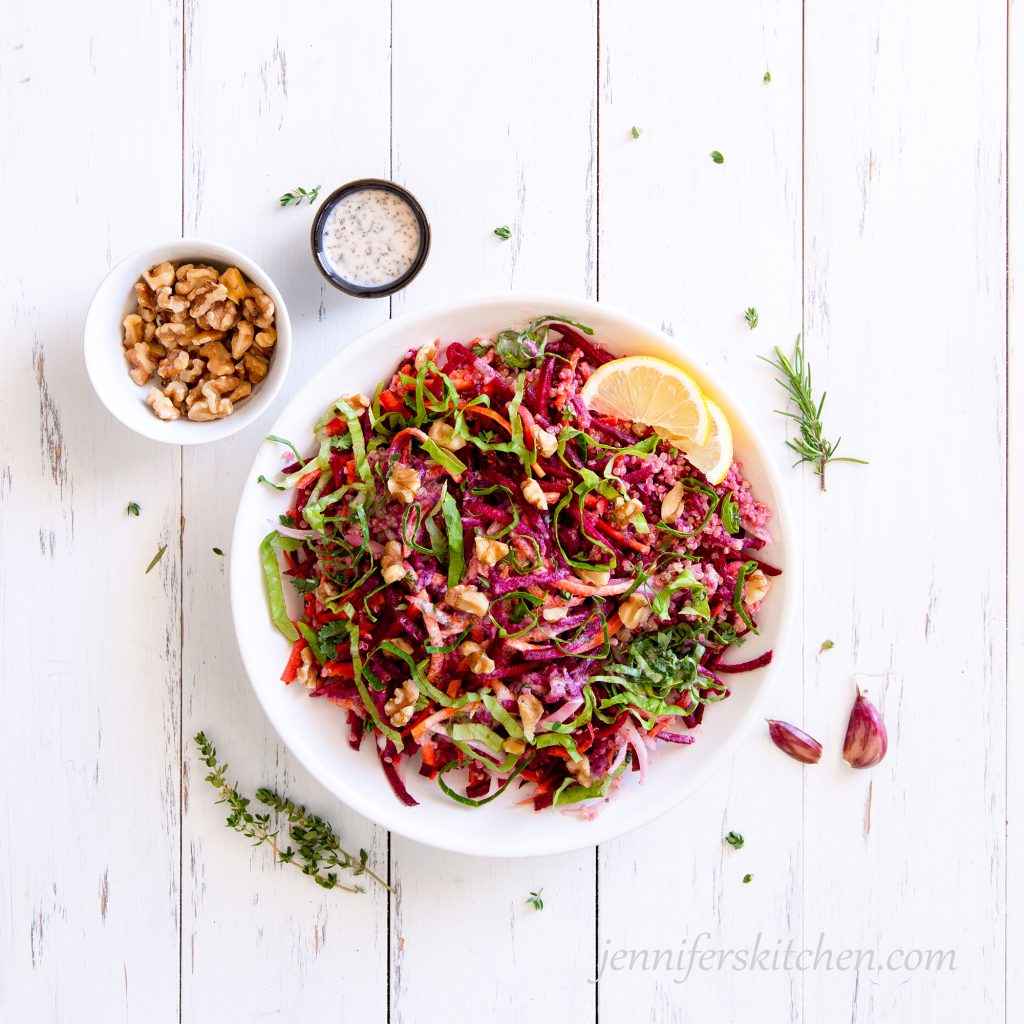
521 564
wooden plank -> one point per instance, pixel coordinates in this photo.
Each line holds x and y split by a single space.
296 101
494 123
1015 509
690 244
905 278
89 723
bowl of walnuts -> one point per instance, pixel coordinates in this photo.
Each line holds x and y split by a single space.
188 341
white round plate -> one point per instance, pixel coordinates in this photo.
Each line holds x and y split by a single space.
316 730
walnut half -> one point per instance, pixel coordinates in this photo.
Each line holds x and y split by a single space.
402 704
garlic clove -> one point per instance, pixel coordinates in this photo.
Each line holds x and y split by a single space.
795 742
866 737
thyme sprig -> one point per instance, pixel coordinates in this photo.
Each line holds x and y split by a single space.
811 446
317 847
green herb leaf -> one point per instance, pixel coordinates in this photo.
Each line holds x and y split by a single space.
717 157
735 840
750 315
133 508
637 132
535 900
767 77
300 194
684 581
156 558
826 645
504 232
811 446
269 546
730 513
747 879
217 551
453 527
737 598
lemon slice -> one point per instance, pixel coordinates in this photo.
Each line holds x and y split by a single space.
647 390
714 457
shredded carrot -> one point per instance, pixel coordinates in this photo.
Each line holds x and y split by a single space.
335 426
390 402
339 670
309 478
482 410
453 687
618 535
294 660
614 625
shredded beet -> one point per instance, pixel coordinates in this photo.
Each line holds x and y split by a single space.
487 585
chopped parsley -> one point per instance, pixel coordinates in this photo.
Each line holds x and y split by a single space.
717 157
747 879
767 77
504 232
637 132
133 508
735 840
827 645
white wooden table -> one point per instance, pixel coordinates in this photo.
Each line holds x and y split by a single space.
864 200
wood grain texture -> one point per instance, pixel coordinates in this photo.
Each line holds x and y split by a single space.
868 198
693 243
1014 907
905 280
495 123
89 692
308 104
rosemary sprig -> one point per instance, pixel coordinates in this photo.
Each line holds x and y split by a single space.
811 446
318 847
296 197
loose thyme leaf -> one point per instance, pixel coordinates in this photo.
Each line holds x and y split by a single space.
535 901
811 446
133 508
156 558
767 77
317 851
826 645
717 157
750 315
504 232
735 840
637 132
747 879
300 194
217 551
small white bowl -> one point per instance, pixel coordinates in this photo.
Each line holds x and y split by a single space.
104 356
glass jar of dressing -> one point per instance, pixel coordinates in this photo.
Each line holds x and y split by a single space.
370 238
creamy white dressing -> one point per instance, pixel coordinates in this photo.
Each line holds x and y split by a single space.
371 237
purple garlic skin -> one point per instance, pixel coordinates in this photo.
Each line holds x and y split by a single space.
866 737
795 742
